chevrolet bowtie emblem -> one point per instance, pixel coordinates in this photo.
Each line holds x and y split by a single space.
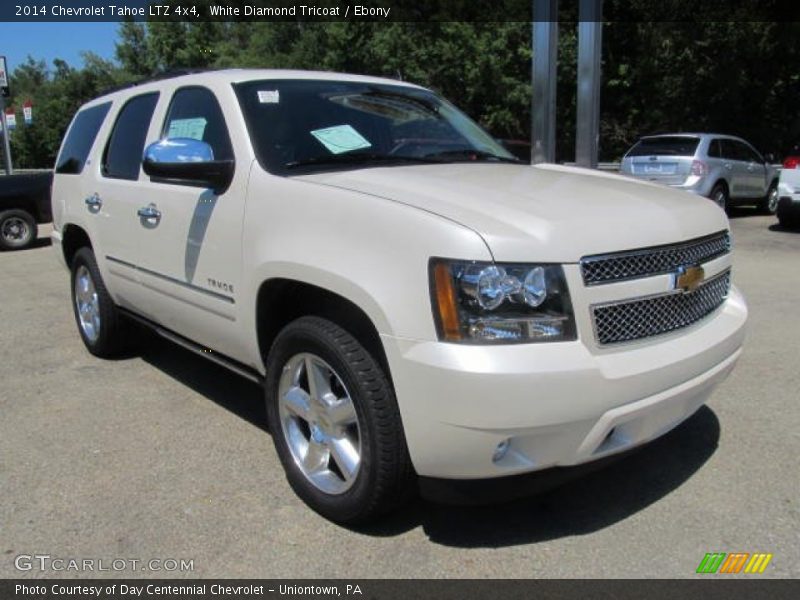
688 278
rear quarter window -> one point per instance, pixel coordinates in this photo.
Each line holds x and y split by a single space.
80 137
665 146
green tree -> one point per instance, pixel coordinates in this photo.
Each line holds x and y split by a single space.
55 94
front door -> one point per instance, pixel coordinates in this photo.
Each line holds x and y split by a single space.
191 238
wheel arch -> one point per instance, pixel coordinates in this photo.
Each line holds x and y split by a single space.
724 182
282 300
73 239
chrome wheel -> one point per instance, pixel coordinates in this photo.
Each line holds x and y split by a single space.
772 200
15 230
720 198
87 304
319 423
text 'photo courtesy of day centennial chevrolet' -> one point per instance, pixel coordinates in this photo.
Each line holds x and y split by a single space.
422 309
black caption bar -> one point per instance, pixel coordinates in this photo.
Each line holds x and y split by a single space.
718 588
388 10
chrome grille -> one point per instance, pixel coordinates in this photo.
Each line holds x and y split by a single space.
636 319
645 262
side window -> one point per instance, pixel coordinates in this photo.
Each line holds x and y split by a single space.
741 152
752 155
123 154
80 138
195 113
729 151
715 149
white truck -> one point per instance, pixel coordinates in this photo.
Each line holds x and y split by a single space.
419 306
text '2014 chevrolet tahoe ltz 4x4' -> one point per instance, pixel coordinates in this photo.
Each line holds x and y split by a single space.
416 302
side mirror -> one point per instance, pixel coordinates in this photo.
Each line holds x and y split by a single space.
187 161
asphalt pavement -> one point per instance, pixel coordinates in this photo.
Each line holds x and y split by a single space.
163 456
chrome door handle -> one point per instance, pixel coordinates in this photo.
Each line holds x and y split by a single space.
93 201
149 212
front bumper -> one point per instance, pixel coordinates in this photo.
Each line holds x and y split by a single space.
556 404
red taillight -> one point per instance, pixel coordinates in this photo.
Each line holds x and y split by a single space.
699 168
791 162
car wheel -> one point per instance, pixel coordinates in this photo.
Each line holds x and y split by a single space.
335 423
769 205
720 196
102 329
17 229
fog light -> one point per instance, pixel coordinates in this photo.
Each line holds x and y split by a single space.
501 450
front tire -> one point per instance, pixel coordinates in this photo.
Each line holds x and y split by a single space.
101 327
335 423
18 229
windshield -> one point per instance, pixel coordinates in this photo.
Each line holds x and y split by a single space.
665 146
303 125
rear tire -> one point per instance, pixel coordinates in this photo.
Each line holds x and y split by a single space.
769 205
18 229
100 324
719 194
340 439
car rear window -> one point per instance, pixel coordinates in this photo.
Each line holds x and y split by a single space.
665 146
80 139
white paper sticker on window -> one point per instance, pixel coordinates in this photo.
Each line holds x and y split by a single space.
187 128
341 138
269 96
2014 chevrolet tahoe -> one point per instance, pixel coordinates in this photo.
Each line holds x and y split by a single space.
415 301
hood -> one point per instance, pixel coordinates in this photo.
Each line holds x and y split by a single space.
546 213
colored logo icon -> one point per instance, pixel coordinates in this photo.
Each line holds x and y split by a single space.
735 562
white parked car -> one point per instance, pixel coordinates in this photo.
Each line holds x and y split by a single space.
789 190
418 305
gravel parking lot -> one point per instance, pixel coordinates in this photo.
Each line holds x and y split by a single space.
165 456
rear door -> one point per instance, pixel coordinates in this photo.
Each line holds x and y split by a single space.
756 171
117 195
663 159
735 163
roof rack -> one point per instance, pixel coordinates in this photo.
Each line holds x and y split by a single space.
169 74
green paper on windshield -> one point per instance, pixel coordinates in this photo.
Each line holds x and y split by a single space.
187 128
340 139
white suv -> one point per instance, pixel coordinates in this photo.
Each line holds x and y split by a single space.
419 306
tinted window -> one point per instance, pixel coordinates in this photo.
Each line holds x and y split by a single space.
715 149
750 154
736 150
665 146
729 149
123 155
80 139
195 113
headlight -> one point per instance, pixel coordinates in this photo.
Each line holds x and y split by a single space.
478 302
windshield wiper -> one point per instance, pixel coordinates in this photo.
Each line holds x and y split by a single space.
350 159
472 155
